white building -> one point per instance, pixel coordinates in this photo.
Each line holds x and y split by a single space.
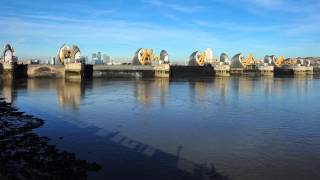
209 55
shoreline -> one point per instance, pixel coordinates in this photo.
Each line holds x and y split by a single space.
14 122
26 155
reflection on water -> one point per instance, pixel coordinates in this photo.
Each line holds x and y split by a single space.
8 90
247 127
198 91
144 90
70 93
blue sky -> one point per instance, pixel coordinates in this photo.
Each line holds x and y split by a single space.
38 28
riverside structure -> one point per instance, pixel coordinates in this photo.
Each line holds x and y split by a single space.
144 64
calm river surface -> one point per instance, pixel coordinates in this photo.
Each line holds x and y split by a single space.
247 128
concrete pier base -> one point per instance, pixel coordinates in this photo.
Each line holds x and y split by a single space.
222 70
123 71
294 70
11 71
78 71
74 71
7 70
236 71
181 71
162 70
316 70
253 70
303 70
266 70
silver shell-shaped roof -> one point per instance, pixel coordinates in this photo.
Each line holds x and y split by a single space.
136 57
8 54
301 61
224 58
236 61
164 56
269 59
8 47
194 58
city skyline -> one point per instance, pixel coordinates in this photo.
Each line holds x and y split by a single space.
38 29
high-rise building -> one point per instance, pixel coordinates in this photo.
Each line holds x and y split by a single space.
99 56
106 59
94 55
93 58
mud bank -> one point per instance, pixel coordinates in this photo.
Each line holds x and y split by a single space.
25 155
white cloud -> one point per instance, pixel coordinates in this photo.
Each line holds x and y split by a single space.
28 28
180 7
267 3
189 27
306 6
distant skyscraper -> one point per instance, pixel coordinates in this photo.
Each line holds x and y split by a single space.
106 58
99 56
94 55
93 58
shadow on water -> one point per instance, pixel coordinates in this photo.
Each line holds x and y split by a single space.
123 157
25 155
126 158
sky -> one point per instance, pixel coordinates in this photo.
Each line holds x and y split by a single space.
37 28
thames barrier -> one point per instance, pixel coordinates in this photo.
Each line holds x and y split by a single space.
71 65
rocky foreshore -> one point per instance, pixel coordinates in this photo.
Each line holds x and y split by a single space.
14 122
25 155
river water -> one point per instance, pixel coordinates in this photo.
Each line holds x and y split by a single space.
246 128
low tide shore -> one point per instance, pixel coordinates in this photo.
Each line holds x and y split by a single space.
25 155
